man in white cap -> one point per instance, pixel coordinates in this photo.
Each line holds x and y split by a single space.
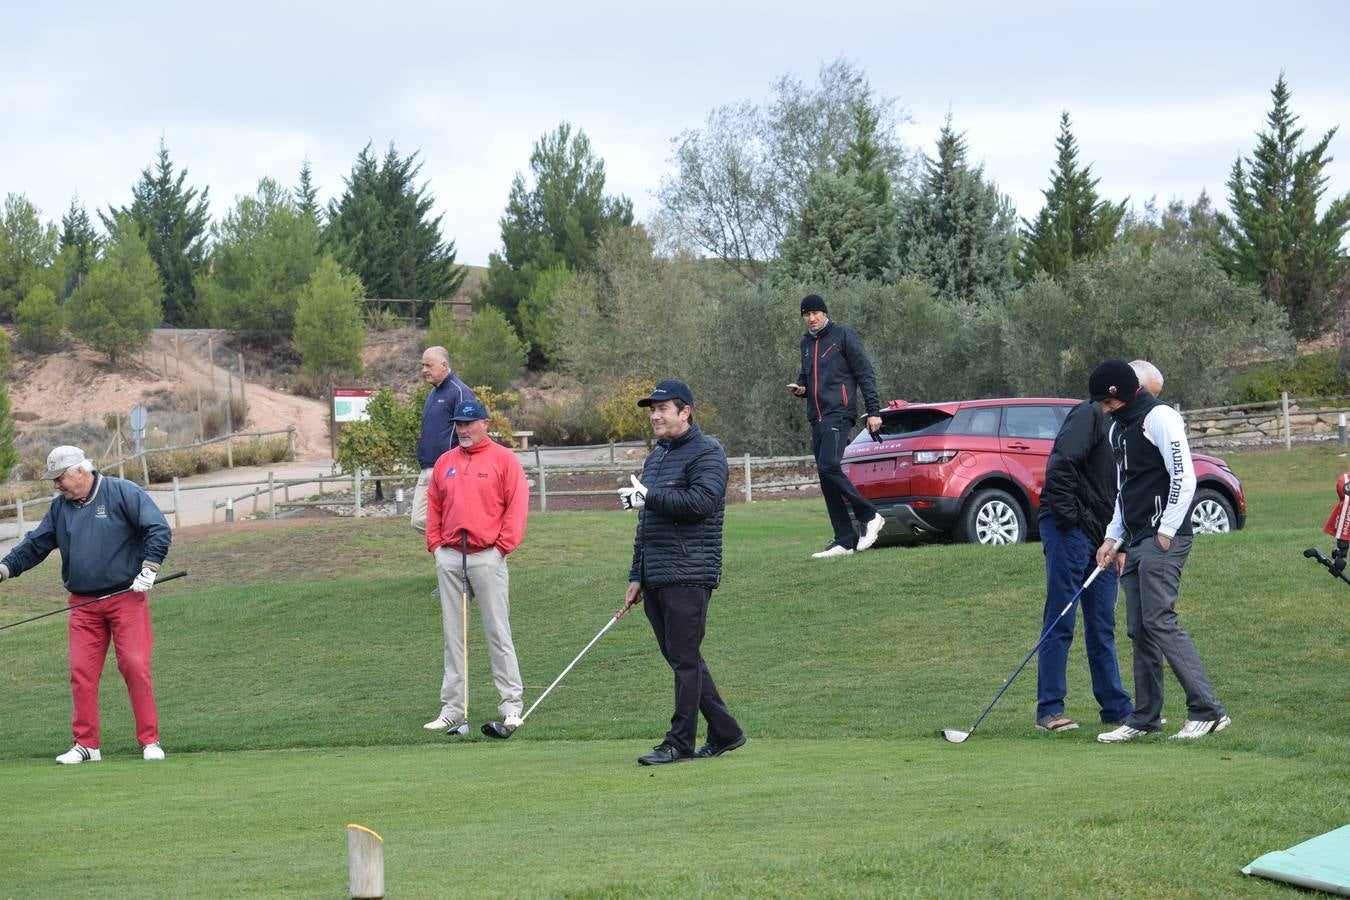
112 539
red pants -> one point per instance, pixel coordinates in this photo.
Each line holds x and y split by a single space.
125 619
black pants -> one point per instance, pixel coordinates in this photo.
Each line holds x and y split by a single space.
829 437
679 616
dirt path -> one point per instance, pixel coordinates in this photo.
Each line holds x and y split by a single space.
78 385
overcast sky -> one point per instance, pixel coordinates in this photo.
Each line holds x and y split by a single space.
1163 96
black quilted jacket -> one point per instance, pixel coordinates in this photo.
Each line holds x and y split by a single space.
679 531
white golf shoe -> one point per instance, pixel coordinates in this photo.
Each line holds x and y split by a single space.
78 754
440 723
832 550
871 531
1122 734
1193 729
152 752
512 721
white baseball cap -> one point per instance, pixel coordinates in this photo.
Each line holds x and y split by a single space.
61 459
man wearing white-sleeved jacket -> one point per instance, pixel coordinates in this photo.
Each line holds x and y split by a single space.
1152 529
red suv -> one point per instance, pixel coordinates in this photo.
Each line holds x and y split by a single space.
973 470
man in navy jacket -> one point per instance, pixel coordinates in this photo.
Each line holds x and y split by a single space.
112 538
677 563
835 369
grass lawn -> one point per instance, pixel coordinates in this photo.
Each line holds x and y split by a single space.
296 664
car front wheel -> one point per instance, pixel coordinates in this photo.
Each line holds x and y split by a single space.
992 517
1211 513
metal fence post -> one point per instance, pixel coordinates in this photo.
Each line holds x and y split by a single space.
1340 429
543 486
177 504
229 451
1284 406
747 478
145 469
271 496
356 491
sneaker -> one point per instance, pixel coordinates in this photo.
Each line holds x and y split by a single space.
710 749
1056 722
1122 734
512 721
832 550
446 724
871 531
78 754
1193 729
153 752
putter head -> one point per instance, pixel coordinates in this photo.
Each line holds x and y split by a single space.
497 730
955 735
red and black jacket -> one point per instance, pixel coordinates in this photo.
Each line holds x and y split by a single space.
834 369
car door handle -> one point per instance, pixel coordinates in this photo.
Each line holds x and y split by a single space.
1019 446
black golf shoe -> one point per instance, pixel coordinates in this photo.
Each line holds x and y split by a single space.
710 749
662 754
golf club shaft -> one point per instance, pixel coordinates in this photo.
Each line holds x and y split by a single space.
71 606
601 634
464 610
1044 634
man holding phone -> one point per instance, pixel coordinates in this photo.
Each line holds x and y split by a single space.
835 368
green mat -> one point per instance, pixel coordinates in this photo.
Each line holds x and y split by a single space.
1322 863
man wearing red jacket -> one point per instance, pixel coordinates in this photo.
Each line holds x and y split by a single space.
477 503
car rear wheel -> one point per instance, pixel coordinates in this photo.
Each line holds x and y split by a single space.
992 517
1211 513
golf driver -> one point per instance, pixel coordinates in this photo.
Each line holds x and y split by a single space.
499 730
159 580
956 735
1336 571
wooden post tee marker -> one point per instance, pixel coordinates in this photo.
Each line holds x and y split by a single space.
365 862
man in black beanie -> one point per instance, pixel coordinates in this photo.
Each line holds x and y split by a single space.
1148 540
834 369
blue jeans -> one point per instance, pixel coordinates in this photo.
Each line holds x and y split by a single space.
1069 560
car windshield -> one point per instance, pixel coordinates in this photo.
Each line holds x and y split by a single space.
908 423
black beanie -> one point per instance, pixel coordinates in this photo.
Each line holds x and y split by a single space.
813 302
1113 380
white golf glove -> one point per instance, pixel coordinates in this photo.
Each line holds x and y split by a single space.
634 497
146 580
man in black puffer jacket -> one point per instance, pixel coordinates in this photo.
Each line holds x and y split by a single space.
835 369
677 563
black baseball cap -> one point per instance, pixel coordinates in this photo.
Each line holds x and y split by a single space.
668 390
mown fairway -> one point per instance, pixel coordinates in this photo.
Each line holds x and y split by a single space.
297 662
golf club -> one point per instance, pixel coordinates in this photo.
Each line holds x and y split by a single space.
957 736
499 730
68 608
464 623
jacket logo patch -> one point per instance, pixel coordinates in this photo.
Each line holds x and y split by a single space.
450 472
482 475
101 512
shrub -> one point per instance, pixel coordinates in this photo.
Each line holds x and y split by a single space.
1312 375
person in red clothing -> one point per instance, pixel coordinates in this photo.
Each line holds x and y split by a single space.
477 501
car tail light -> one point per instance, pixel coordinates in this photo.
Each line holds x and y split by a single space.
933 456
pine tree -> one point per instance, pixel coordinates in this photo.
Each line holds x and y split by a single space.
839 231
9 453
1074 222
1274 238
118 306
557 221
172 221
307 196
381 230
27 248
329 327
957 232
79 247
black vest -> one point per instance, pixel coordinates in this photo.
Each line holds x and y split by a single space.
1145 471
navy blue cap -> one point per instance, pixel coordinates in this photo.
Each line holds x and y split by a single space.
668 390
470 411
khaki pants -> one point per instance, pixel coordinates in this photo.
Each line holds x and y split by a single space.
489 586
418 515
